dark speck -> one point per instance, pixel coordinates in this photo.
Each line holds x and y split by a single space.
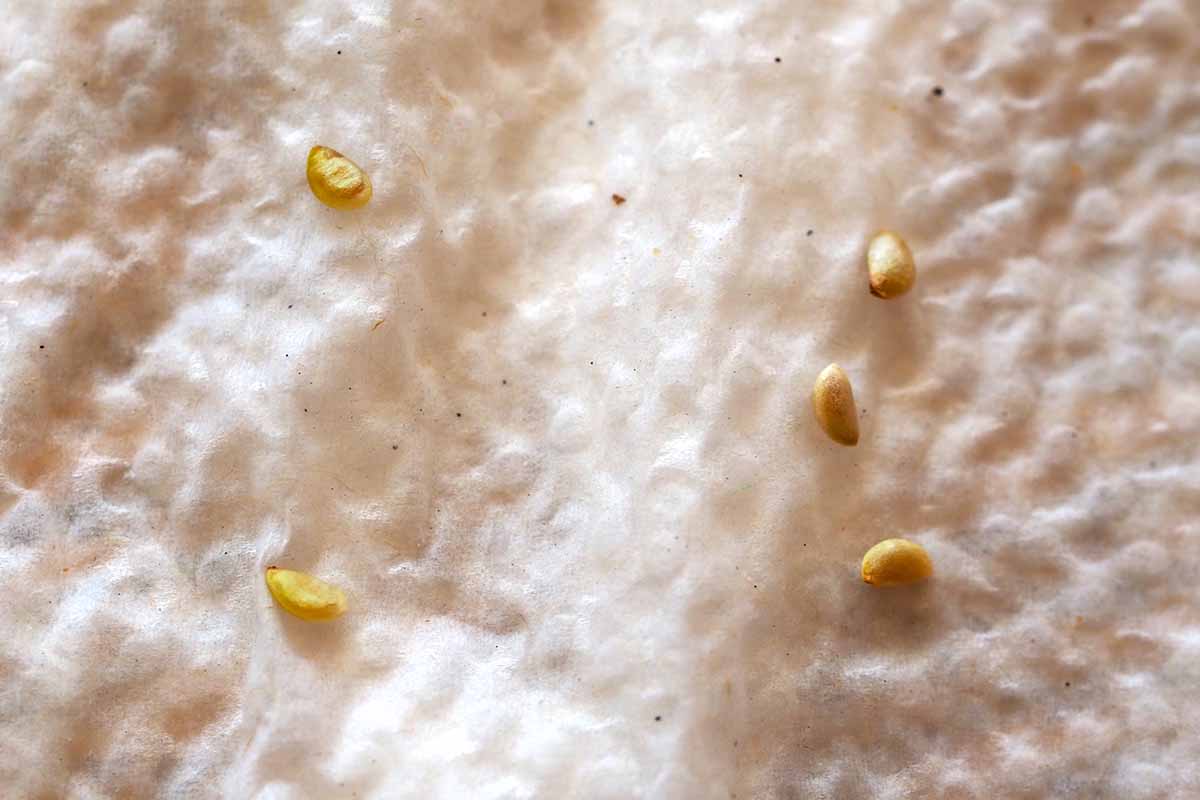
306 411
938 91
41 347
740 175
617 199
658 717
485 313
1068 684
778 59
339 52
591 123
809 232
457 414
504 381
289 305
395 447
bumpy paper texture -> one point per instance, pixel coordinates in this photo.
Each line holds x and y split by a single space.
560 452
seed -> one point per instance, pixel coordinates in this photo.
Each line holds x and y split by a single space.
833 402
890 265
895 562
304 596
336 180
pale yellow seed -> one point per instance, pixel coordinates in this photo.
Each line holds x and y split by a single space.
304 596
336 180
890 265
833 402
895 562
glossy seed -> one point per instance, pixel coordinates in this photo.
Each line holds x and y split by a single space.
336 180
890 265
895 562
833 402
304 596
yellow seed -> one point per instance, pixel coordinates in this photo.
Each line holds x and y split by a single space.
305 596
336 180
895 562
890 265
833 402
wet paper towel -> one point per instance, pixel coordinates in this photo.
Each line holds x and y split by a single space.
558 450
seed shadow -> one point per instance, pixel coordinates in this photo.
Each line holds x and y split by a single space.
324 643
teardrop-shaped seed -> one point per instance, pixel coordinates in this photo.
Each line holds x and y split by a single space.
304 596
895 562
336 180
890 265
833 402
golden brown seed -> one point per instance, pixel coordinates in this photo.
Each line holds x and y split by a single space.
336 180
305 596
833 402
895 562
890 265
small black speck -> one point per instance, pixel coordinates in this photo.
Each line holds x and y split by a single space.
504 381
457 414
339 52
485 313
41 347
289 305
395 447
778 59
938 91
1068 684
593 363
306 411
756 586
591 123
658 717
285 355
809 232
349 388
85 84
740 175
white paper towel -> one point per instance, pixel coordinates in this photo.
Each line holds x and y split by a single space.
559 451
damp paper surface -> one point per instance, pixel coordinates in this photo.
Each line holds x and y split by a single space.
558 449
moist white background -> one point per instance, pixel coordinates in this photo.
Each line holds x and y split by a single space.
559 452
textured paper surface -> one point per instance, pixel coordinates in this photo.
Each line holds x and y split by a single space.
558 451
